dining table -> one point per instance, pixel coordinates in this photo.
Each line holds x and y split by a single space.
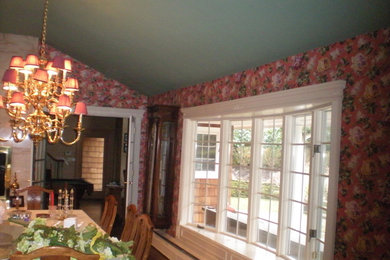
10 229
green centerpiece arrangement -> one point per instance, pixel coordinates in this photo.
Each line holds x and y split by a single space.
89 240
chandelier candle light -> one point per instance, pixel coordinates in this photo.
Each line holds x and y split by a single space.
40 96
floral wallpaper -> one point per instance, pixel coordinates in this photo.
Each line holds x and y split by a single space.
97 90
363 215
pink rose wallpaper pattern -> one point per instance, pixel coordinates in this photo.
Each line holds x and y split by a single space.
98 90
363 215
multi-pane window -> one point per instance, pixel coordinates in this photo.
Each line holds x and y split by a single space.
298 191
205 182
268 173
268 180
238 176
264 170
205 152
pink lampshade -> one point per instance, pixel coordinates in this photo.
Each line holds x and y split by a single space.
64 102
17 99
41 75
17 62
59 63
72 84
32 61
68 65
81 109
10 76
49 68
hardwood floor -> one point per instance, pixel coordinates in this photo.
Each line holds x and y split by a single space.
93 208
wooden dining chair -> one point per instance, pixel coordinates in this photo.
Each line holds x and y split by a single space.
53 253
34 196
130 227
143 237
109 213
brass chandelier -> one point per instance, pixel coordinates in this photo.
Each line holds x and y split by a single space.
40 96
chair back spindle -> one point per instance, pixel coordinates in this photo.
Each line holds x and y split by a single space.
143 237
130 227
34 196
109 213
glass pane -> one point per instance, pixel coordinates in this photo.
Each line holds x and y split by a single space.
210 216
263 231
324 185
265 180
296 213
244 176
271 156
274 210
212 196
231 222
297 160
241 131
265 208
325 157
302 129
297 184
266 156
275 183
233 199
327 124
323 224
305 191
200 193
304 218
236 154
272 235
243 205
307 159
198 214
321 247
302 244
299 124
293 244
272 130
242 224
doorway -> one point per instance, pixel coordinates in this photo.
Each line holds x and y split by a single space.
128 173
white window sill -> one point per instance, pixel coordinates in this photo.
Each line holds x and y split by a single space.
219 245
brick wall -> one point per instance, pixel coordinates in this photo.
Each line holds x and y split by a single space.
92 162
207 194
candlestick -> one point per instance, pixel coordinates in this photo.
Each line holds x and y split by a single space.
59 199
71 204
51 198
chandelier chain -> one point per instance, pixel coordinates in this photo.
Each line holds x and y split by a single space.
44 31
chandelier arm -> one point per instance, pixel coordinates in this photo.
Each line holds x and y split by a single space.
51 139
15 134
78 130
4 139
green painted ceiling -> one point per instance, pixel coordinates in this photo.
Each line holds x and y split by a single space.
155 46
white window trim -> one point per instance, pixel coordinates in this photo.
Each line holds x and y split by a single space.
268 104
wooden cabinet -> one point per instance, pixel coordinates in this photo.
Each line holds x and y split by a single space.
160 164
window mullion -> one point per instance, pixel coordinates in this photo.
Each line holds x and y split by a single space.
223 179
187 166
313 187
285 187
254 180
